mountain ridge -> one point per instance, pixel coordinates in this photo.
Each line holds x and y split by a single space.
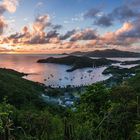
107 53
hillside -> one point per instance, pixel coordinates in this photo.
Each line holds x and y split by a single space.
17 90
108 53
98 113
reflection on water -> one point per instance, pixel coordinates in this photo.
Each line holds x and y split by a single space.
56 75
51 74
125 66
124 59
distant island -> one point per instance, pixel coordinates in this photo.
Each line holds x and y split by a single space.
78 62
108 53
131 62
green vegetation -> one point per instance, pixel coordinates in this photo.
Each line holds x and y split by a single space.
78 62
119 74
101 114
23 114
116 70
110 113
54 92
18 90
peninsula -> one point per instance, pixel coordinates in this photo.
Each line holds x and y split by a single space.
78 62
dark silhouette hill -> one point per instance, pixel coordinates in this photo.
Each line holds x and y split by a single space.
107 53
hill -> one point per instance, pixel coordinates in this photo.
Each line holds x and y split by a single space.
108 53
98 113
78 62
17 90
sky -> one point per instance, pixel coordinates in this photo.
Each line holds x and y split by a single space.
62 26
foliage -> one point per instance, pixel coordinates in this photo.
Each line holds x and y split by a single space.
106 114
101 114
18 90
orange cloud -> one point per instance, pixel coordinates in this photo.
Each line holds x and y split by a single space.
10 5
6 5
117 37
3 24
127 26
79 40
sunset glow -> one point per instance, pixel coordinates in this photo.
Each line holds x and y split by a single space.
43 26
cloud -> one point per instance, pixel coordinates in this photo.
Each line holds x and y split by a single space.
86 38
54 40
92 13
104 20
10 5
135 3
67 35
78 18
3 24
40 23
2 9
6 6
123 37
43 32
39 4
57 27
35 33
52 34
121 13
86 34
124 13
134 32
3 50
118 37
16 36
